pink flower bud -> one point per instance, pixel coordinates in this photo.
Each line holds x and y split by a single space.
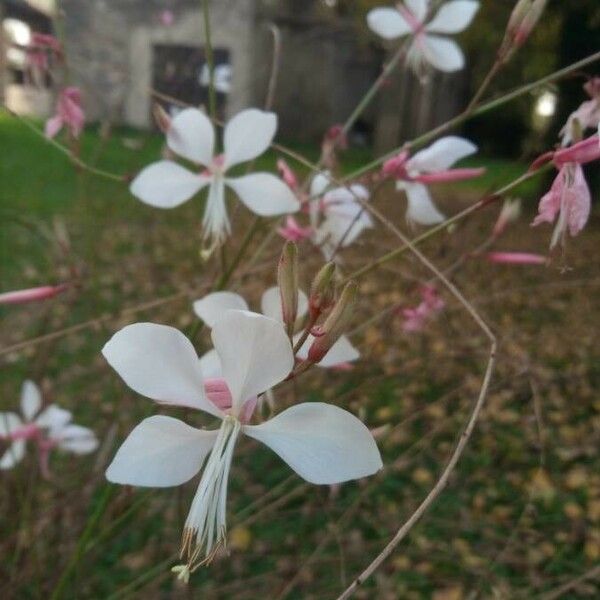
516 258
287 174
511 210
395 167
32 294
322 292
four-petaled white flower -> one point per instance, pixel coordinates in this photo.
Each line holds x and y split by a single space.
408 18
50 428
431 165
166 184
337 216
213 306
322 443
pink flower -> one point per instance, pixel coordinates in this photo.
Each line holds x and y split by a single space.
582 153
41 47
587 116
32 294
293 232
69 113
166 18
430 305
569 198
516 258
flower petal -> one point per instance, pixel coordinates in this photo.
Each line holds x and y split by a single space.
418 8
192 136
324 444
210 364
78 439
255 353
213 306
270 304
453 17
53 417
165 184
13 455
421 208
387 23
9 422
31 399
161 452
444 54
160 363
264 194
248 135
441 155
341 352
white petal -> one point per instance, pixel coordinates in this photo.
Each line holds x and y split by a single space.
255 353
78 439
443 53
264 194
324 444
31 400
418 8
421 208
159 362
165 184
248 135
270 304
9 422
453 17
213 306
210 364
441 155
387 23
54 417
319 183
192 136
161 452
13 455
341 352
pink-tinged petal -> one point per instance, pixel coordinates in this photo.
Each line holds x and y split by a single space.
421 209
165 184
53 126
192 136
264 194
431 304
160 363
578 202
161 452
287 174
387 23
248 135
214 306
453 17
255 353
441 155
31 400
77 439
449 176
418 8
583 152
32 294
549 205
324 444
210 365
516 258
443 53
293 232
218 393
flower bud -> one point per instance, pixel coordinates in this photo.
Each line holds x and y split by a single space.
335 324
322 292
511 211
287 279
32 294
523 20
161 117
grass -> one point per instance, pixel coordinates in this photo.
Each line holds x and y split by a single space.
521 515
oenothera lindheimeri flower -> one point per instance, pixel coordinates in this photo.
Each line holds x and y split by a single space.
69 113
322 443
569 198
49 428
587 116
337 216
166 184
431 304
409 18
35 294
214 306
431 165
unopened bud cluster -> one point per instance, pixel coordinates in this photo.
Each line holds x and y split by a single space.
522 22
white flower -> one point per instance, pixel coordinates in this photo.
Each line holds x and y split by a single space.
213 306
50 428
322 443
165 184
222 78
336 216
409 19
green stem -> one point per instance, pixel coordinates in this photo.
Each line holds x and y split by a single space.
212 96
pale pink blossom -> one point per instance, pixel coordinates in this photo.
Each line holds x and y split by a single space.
69 114
587 116
431 304
516 258
293 231
35 294
166 18
412 17
431 165
41 49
